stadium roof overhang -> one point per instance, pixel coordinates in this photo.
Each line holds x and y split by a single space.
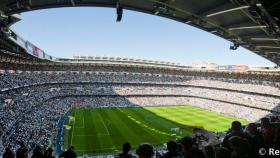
252 24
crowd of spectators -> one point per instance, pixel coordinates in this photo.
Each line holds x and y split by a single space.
12 79
31 103
238 84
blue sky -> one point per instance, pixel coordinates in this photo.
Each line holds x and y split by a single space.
65 32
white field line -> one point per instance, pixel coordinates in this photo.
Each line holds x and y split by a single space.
79 127
83 122
73 129
90 135
108 133
98 149
144 125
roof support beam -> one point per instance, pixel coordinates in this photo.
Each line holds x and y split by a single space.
239 23
260 35
230 10
265 39
246 27
225 6
273 52
227 10
269 47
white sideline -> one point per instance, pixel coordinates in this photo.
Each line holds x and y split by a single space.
73 129
83 125
85 135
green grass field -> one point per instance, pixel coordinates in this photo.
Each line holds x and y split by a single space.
105 130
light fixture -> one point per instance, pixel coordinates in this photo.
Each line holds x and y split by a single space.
234 46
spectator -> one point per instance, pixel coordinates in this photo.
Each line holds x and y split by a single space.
38 152
48 153
235 130
145 151
126 148
222 153
70 153
22 152
269 132
172 150
209 151
240 147
9 153
277 139
187 144
256 138
196 153
189 148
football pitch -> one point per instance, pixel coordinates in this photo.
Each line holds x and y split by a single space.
105 130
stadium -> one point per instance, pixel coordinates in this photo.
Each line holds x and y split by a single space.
90 106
